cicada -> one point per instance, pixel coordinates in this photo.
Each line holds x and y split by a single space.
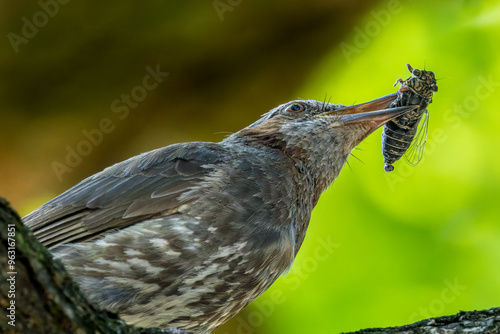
407 135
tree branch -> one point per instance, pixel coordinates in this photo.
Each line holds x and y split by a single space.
466 322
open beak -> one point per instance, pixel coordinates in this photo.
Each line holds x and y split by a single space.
374 112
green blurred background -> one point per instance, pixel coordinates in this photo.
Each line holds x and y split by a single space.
382 249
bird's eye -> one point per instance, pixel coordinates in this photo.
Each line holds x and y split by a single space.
296 108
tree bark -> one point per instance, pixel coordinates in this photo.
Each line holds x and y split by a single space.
38 296
470 322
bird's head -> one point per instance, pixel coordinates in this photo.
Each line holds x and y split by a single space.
319 135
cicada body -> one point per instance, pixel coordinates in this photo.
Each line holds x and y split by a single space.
406 135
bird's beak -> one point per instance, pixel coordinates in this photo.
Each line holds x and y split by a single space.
374 112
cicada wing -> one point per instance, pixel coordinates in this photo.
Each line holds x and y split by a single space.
417 148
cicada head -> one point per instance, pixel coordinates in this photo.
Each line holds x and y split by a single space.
422 82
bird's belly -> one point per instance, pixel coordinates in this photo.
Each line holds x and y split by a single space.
170 272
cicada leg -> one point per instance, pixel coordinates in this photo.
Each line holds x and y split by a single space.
398 81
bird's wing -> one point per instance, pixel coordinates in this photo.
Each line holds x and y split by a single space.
133 190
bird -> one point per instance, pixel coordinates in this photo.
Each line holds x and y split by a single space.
187 235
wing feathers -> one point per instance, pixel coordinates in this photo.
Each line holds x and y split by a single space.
144 186
59 225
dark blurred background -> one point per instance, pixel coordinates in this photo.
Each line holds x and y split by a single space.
86 85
